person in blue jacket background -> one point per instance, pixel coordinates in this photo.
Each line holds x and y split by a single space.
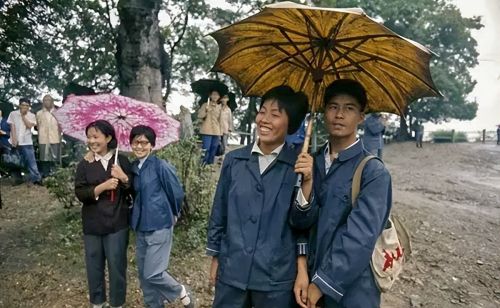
255 262
373 134
345 236
157 206
296 139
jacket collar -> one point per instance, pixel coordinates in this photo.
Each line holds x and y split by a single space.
353 151
135 164
345 155
275 152
106 157
286 155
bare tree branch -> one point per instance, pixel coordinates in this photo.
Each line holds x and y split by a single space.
173 47
108 13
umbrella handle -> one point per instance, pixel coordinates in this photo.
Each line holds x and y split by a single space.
296 189
305 149
307 138
113 192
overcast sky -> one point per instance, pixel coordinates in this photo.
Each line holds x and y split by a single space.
487 73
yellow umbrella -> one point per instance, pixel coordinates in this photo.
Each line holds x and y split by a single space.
307 48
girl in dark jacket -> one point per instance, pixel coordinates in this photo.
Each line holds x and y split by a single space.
103 188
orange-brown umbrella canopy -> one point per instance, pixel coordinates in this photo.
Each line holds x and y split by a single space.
307 48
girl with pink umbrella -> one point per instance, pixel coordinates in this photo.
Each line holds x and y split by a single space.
104 217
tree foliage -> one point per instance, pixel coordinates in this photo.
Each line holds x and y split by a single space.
440 26
183 37
45 44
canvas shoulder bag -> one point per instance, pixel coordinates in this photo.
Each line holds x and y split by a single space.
393 246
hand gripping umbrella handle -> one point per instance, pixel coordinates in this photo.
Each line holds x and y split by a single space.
305 148
307 137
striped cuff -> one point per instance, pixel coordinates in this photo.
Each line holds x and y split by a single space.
327 288
302 249
301 203
211 252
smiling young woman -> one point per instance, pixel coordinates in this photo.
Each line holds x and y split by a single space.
156 208
249 219
104 219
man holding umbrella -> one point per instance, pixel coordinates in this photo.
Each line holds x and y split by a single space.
346 235
209 114
210 130
338 52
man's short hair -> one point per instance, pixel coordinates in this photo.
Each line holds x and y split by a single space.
347 87
24 100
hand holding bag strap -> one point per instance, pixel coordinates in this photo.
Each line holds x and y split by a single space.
356 180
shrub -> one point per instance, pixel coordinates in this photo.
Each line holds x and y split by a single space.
197 181
449 136
199 186
62 186
460 137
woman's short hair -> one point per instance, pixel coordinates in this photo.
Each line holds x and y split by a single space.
147 131
347 87
107 129
294 103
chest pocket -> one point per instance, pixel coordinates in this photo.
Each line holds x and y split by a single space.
338 194
336 205
343 194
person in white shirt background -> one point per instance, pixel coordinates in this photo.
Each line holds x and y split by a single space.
21 122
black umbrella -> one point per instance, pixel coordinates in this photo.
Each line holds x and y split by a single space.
203 87
76 89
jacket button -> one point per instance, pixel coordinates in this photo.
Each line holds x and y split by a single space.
249 249
259 187
253 219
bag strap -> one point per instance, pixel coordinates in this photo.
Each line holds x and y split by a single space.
356 180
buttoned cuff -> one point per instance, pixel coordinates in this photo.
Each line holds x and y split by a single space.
327 287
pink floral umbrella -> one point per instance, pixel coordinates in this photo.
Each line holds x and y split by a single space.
122 112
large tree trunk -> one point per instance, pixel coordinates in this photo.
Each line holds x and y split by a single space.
403 130
139 50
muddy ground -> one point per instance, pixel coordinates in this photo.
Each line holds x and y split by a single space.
448 195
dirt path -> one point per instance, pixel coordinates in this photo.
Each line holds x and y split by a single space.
449 196
41 259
